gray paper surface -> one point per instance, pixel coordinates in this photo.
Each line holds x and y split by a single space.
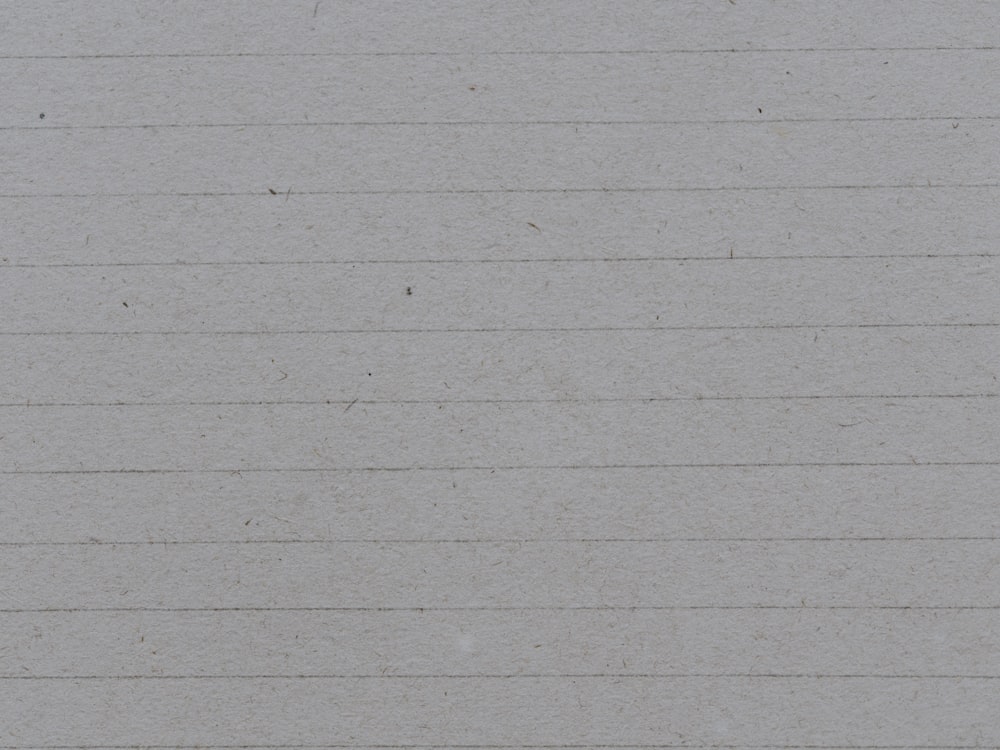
527 374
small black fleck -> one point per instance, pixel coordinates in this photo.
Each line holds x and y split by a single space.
409 290
273 192
760 110
41 116
125 303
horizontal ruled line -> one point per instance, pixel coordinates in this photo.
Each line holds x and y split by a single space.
566 329
510 676
265 193
527 540
553 608
526 467
474 746
513 123
506 53
489 401
502 261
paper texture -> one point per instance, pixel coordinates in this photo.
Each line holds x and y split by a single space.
525 374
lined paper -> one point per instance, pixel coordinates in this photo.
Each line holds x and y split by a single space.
499 375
